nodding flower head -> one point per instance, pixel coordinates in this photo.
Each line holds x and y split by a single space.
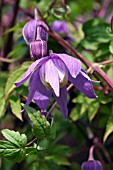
50 74
92 165
34 30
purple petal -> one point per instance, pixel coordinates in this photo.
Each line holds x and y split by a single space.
73 64
30 70
49 74
62 71
43 33
91 165
38 49
62 101
29 31
38 92
83 83
41 23
60 66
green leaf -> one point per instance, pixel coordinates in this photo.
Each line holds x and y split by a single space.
16 106
41 126
78 111
111 47
15 137
52 132
17 26
109 128
58 159
2 106
10 152
110 73
14 76
3 77
92 109
43 144
30 150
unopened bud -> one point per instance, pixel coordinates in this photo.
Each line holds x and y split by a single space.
38 49
92 165
30 32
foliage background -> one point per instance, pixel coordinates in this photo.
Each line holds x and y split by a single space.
90 121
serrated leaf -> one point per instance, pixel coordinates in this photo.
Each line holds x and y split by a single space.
29 109
43 144
15 137
10 152
30 150
109 128
52 132
41 126
16 106
14 76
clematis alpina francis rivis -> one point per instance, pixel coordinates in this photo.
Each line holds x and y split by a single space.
92 165
51 74
60 27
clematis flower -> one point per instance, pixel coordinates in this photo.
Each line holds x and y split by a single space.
60 27
92 165
51 74
36 36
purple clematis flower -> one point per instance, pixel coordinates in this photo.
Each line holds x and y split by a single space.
51 74
92 165
60 27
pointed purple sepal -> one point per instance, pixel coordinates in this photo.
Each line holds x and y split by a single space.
38 92
83 83
30 70
74 65
62 101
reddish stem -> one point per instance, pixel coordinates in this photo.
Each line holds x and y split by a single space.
83 60
104 8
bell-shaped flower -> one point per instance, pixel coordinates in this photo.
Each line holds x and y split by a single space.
92 165
61 27
50 74
33 29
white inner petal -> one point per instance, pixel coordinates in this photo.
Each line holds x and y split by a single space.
61 75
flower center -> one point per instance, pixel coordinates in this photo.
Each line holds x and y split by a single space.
60 70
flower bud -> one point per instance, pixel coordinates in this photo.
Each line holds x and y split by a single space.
30 31
92 165
38 49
